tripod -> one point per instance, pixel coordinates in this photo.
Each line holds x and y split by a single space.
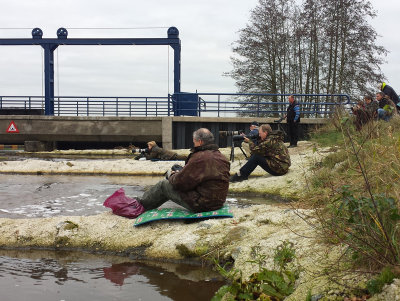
232 156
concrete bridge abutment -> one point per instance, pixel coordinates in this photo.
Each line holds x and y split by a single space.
40 132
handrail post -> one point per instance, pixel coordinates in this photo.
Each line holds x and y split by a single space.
130 108
169 104
258 106
219 101
116 104
77 108
87 106
104 108
146 107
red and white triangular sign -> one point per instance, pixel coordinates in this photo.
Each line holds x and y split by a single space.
12 128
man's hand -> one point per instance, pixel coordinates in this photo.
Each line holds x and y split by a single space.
169 173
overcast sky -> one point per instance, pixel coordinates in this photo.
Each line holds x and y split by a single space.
207 29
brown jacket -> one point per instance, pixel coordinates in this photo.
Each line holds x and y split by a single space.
204 181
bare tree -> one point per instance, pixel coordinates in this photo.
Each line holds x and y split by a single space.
322 46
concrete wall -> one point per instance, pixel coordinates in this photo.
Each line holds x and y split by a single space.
172 132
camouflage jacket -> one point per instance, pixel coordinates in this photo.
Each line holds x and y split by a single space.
204 180
275 152
157 152
371 108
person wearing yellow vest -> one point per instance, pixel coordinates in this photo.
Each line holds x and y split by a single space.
389 91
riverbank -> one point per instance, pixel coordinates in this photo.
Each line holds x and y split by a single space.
229 240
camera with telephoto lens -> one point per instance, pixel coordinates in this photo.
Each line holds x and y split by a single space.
240 138
279 120
140 150
230 133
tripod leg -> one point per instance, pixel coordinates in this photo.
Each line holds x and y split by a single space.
244 153
232 157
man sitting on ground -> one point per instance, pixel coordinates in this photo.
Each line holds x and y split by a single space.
271 154
365 111
202 184
386 107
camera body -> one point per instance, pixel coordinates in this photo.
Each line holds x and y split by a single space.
140 150
174 168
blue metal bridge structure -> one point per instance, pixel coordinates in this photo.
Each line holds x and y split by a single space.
177 104
170 119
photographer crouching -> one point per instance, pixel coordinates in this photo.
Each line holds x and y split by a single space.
270 154
201 185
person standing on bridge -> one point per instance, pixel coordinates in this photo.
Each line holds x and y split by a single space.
293 119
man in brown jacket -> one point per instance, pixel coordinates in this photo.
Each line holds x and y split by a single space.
202 184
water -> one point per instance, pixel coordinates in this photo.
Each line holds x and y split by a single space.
23 196
47 275
74 276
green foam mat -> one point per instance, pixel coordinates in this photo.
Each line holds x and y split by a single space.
179 213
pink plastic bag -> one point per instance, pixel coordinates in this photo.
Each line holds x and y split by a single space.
124 206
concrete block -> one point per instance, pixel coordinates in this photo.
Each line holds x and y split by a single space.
39 146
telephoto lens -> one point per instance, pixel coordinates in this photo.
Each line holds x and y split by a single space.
230 133
140 150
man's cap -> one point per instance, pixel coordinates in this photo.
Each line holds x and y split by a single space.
255 123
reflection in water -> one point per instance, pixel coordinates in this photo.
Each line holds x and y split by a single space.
48 275
118 272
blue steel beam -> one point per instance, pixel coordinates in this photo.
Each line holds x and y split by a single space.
49 45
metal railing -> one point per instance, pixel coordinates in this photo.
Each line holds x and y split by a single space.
268 105
93 106
208 105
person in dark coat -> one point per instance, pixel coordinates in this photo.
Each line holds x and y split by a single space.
389 91
202 184
293 120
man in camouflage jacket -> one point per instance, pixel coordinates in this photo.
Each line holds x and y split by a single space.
157 153
271 154
202 184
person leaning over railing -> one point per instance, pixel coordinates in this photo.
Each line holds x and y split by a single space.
270 154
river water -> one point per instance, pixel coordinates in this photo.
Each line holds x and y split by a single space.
47 275
75 276
23 196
